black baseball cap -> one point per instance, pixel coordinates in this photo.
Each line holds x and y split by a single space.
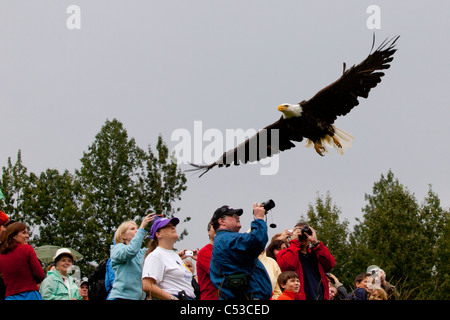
226 211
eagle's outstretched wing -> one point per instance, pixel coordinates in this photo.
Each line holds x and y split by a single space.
338 98
267 142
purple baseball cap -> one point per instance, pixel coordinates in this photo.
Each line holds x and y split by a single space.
160 223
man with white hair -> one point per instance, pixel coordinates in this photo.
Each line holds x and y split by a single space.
377 280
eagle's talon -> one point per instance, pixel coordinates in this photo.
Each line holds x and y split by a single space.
319 149
337 142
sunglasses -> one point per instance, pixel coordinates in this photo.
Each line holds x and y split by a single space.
234 215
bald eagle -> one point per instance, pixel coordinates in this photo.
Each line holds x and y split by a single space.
313 119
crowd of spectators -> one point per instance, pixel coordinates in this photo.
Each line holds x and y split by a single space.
233 265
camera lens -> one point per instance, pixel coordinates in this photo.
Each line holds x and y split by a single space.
305 230
268 205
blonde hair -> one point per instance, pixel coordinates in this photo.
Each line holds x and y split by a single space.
378 294
121 230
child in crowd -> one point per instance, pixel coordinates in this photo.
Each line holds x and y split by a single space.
377 294
290 285
360 293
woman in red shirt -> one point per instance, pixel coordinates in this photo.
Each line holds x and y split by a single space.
19 265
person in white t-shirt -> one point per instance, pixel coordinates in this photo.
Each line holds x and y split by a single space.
164 276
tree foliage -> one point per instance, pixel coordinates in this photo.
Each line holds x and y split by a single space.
402 237
117 181
109 178
408 240
162 183
53 204
15 181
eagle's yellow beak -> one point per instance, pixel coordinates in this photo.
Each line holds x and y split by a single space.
282 108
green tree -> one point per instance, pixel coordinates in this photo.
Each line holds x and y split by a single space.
109 178
440 286
435 221
162 183
397 235
120 182
358 253
54 203
15 181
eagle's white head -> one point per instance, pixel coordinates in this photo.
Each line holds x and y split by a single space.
290 110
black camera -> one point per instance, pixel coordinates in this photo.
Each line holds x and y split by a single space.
268 205
182 295
305 230
330 278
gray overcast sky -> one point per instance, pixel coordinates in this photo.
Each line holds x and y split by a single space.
158 66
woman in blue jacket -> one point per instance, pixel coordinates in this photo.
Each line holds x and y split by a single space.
127 259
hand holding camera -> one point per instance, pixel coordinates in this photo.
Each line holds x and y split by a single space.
258 211
185 253
268 205
147 219
306 230
305 233
286 235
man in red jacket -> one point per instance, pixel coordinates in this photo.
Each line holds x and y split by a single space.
310 259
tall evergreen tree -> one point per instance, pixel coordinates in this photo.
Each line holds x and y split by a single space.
396 236
109 177
119 181
162 183
437 231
